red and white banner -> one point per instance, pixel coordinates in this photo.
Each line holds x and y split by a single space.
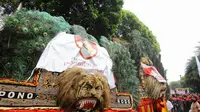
152 71
182 91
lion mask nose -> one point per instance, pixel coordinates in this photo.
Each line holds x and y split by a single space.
93 92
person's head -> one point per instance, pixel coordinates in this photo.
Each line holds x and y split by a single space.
194 98
184 97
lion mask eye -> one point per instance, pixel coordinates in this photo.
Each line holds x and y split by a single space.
88 86
98 88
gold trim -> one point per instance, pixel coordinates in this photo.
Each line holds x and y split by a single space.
22 82
9 81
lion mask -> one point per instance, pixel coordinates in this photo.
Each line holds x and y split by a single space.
153 87
79 90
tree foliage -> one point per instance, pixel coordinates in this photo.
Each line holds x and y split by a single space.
175 84
191 78
123 67
130 22
96 16
9 5
141 41
140 46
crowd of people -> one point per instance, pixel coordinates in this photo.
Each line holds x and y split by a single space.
184 103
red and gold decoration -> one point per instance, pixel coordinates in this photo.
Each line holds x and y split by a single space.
145 105
160 105
40 95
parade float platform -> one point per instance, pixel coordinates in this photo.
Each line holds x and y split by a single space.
38 95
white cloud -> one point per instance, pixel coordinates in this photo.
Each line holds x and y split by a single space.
176 24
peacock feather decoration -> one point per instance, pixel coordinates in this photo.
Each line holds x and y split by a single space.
24 37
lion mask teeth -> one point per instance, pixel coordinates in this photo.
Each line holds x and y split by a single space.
87 104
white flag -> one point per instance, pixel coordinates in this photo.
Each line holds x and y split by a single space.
198 64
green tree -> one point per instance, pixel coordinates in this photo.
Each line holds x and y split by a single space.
175 84
192 78
140 46
129 23
96 16
183 82
9 5
123 67
141 41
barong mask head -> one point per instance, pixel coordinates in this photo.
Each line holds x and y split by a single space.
80 90
153 87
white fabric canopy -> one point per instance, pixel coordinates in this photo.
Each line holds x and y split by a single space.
66 51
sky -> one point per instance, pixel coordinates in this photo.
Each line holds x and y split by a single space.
176 24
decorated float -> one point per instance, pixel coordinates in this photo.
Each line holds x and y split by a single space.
49 65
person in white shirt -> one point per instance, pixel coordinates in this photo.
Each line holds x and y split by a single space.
195 106
169 106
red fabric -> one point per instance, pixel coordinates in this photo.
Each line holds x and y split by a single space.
148 71
139 109
151 107
145 101
173 98
144 104
161 105
152 71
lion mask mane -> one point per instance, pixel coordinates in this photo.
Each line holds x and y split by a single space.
79 90
153 87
